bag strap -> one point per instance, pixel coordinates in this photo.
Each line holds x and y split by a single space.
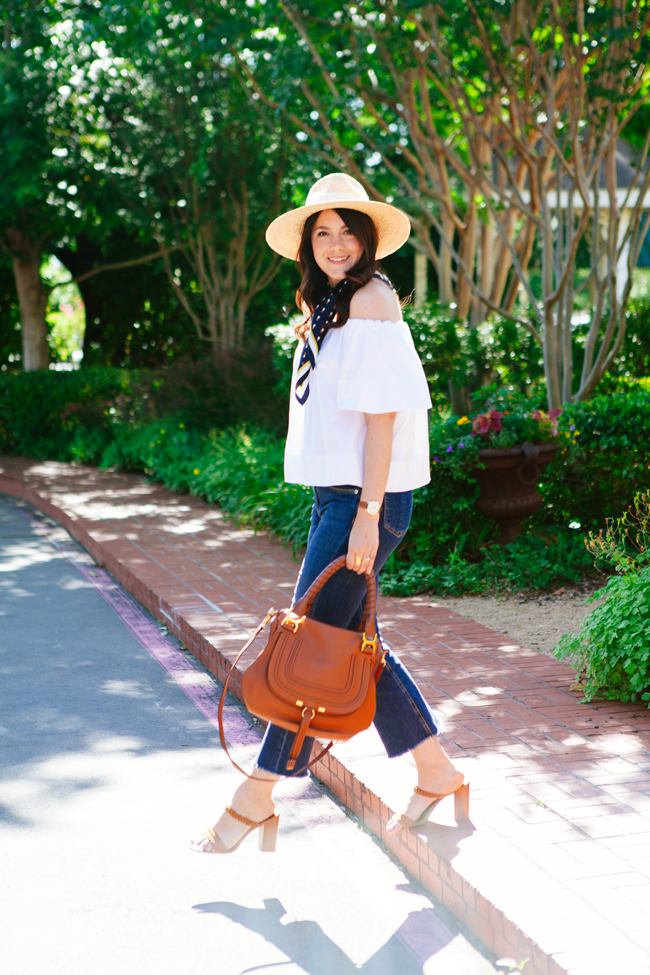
269 616
304 605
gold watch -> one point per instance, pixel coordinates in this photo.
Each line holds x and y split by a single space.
372 507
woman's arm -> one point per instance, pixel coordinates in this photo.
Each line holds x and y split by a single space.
364 537
377 302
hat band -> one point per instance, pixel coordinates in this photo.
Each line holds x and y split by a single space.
335 198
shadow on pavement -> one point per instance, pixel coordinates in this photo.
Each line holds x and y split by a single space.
307 945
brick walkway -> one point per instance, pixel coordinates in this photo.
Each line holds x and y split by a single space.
557 863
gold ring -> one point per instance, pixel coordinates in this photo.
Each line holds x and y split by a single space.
358 560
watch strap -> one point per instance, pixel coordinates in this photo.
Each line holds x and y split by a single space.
372 507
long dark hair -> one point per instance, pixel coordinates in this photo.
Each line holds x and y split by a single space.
314 281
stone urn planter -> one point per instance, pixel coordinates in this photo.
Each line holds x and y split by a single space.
507 484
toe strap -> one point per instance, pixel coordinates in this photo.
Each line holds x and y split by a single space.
405 822
214 845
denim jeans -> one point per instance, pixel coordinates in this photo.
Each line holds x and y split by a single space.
403 718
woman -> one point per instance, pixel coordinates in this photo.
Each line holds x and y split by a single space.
357 435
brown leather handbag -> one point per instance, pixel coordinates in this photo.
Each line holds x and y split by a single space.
314 679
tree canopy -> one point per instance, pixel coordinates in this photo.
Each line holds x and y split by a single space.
497 125
155 141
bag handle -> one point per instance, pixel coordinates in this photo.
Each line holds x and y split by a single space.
304 605
269 616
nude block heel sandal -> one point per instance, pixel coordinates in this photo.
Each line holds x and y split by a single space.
461 802
461 806
268 835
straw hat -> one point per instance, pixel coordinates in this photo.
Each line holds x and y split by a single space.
332 191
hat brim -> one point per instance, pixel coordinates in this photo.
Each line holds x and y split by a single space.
393 226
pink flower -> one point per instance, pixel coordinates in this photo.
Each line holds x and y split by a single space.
551 418
484 423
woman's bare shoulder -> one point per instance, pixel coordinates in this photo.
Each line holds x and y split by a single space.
376 301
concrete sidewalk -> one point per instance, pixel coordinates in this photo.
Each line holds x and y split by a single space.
557 867
110 763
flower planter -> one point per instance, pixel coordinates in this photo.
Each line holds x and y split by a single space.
507 484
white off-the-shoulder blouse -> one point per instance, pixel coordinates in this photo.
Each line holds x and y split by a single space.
364 367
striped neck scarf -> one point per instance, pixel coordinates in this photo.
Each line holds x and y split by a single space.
320 322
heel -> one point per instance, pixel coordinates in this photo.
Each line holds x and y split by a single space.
461 802
269 834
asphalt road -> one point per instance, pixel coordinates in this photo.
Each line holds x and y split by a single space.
107 769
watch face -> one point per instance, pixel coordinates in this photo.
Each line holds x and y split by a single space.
373 507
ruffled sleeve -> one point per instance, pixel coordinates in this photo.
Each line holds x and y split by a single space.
380 369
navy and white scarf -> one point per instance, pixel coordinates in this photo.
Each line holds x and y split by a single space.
321 320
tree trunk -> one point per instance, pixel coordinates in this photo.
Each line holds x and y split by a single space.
468 254
421 279
445 286
26 254
459 398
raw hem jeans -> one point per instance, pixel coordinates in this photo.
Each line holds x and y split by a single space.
403 718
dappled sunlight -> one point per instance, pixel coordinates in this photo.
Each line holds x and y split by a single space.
125 688
22 796
52 720
23 554
50 784
82 479
622 744
487 691
575 741
73 583
111 744
188 527
9 589
113 511
470 697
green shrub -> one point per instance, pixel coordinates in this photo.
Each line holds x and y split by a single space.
60 415
597 477
612 650
625 545
224 391
633 361
529 562
239 469
604 458
459 358
75 415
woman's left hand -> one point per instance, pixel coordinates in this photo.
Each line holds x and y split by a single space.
363 543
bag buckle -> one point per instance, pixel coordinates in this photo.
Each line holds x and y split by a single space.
292 622
368 646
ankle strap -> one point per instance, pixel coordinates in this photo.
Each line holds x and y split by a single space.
428 795
240 819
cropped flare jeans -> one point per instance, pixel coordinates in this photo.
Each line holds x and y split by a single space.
403 718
